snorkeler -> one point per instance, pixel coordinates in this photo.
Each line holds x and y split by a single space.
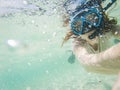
93 32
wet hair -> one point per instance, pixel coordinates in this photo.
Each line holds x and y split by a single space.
69 33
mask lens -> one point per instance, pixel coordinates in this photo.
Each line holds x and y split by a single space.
92 18
76 25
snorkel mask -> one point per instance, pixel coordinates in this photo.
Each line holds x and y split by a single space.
87 16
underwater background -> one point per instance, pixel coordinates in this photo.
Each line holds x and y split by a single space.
31 56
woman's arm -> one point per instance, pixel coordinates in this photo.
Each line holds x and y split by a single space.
85 58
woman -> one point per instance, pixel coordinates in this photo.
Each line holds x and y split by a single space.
106 61
98 50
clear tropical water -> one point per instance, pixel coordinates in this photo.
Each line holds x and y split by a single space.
31 57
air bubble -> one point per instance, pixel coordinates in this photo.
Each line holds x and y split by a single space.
116 33
9 70
40 60
13 43
29 64
47 71
33 21
44 48
101 36
45 26
48 40
28 88
25 2
44 32
86 9
103 41
96 17
54 34
94 24
89 26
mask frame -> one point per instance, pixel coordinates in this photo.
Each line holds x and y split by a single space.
80 21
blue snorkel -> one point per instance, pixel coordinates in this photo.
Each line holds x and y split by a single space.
89 15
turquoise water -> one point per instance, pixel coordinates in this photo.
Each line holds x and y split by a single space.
31 57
